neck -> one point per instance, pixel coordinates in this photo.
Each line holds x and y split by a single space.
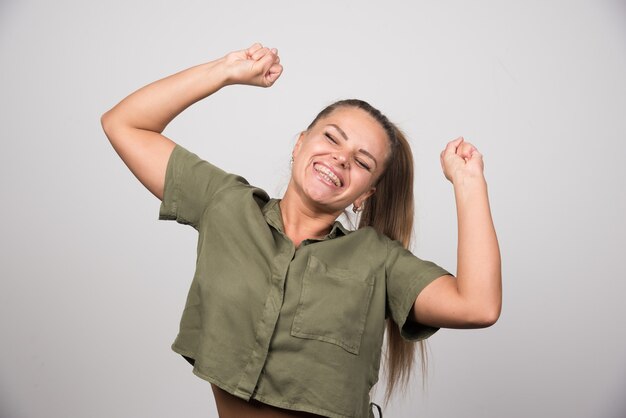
301 220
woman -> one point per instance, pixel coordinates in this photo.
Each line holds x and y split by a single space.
287 309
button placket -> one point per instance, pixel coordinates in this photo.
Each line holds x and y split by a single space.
267 325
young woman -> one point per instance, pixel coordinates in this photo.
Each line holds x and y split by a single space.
287 309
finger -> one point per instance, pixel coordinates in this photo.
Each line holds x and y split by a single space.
472 150
255 47
465 150
271 74
260 53
468 145
274 51
266 61
276 67
476 154
274 73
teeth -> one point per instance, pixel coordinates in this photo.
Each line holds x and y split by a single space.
328 174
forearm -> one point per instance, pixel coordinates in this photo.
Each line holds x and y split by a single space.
135 125
154 106
472 299
478 255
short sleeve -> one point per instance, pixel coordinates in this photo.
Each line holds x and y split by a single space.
190 184
407 275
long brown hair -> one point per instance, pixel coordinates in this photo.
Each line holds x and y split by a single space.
390 211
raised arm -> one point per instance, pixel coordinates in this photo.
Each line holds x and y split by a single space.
473 299
134 125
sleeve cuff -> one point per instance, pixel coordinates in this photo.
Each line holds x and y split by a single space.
411 330
168 209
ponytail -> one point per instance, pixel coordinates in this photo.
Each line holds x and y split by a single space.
390 211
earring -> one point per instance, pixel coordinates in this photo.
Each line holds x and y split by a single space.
291 161
357 209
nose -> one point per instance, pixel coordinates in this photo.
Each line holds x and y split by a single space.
341 159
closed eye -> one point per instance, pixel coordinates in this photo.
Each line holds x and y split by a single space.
360 163
363 165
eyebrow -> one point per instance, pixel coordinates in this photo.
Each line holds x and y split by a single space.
343 134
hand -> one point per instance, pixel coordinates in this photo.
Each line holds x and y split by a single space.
461 159
255 66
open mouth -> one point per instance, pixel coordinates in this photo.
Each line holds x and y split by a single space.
327 174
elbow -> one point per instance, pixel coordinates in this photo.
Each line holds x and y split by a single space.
488 316
110 125
484 316
105 121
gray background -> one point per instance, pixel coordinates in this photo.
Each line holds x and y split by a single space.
92 286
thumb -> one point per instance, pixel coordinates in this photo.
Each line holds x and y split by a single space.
274 72
452 146
458 141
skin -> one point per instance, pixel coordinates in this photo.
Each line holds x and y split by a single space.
472 299
311 203
230 406
355 147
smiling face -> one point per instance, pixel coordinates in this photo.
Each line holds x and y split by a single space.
339 159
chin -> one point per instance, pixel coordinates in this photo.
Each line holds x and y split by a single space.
323 201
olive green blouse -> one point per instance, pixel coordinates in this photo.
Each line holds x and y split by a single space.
297 328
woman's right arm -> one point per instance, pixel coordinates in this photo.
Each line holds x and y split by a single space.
134 125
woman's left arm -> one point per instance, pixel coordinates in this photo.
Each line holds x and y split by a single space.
473 299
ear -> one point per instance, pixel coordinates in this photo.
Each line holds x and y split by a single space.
296 147
359 200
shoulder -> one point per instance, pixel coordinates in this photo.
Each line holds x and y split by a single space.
373 239
197 169
193 185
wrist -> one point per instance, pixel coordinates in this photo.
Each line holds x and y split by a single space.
469 185
217 73
466 178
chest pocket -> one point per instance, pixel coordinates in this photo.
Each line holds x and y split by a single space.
333 305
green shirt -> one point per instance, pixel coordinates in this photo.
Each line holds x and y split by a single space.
297 328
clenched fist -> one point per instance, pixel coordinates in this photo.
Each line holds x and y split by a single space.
461 159
255 66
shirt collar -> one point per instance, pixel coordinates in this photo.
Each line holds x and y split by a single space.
271 212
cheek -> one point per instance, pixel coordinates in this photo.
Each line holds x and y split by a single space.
299 170
364 181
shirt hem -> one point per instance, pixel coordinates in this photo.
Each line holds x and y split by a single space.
208 378
268 400
299 407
